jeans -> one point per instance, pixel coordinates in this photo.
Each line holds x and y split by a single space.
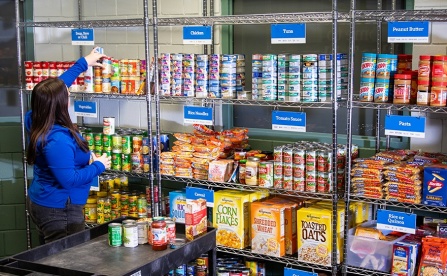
55 223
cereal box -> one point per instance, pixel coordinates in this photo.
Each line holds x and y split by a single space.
195 218
267 229
315 234
220 170
231 218
177 202
404 258
435 186
290 229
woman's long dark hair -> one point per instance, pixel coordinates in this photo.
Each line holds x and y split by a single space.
49 104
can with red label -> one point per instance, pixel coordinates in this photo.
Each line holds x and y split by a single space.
53 69
265 174
324 159
60 68
311 181
37 69
277 154
299 156
299 184
45 69
311 160
29 84
323 182
170 230
28 69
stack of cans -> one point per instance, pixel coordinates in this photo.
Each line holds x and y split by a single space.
282 76
202 75
269 77
240 77
325 71
293 75
309 78
106 75
188 76
165 74
214 76
115 77
256 77
228 76
176 77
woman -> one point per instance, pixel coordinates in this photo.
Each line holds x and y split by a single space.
62 173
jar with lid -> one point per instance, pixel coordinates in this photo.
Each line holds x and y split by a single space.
424 68
251 171
423 94
402 88
439 69
90 210
438 94
159 234
242 164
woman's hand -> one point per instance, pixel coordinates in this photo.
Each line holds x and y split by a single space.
93 58
104 159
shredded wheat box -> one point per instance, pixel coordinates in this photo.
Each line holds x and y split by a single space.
315 234
290 226
231 218
267 229
195 218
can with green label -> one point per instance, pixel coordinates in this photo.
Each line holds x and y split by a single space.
126 162
107 142
116 143
116 161
88 136
115 234
126 142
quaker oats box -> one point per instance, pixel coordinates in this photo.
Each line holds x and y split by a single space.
434 190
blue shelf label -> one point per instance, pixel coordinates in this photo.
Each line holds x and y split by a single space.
85 109
197 115
196 193
289 121
405 126
82 37
288 33
197 35
94 185
409 31
396 221
297 272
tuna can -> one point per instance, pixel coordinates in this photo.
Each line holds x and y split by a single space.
130 235
115 234
142 232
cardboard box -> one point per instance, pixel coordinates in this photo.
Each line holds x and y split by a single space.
220 170
434 190
195 218
177 205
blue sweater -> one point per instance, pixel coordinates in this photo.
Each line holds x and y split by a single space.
61 168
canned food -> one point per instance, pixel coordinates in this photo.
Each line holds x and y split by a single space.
116 143
108 125
126 162
142 232
124 201
115 199
133 198
137 144
116 161
130 235
115 234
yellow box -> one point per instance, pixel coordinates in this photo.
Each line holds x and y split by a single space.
315 234
267 229
231 219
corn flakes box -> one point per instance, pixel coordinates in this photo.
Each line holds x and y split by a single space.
290 226
267 229
177 203
315 234
195 218
231 218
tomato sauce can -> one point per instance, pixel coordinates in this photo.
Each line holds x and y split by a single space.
266 174
324 159
311 160
311 181
115 234
299 156
299 184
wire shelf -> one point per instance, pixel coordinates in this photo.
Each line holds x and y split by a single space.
255 19
129 174
87 23
289 260
385 202
401 15
351 270
108 96
190 100
243 187
400 107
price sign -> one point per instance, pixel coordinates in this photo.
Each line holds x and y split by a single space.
405 126
197 35
297 272
198 115
396 221
289 121
82 37
288 33
85 109
409 31
94 186
196 193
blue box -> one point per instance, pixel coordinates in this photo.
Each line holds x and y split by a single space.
177 205
435 189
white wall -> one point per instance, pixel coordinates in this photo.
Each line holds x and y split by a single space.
436 123
122 42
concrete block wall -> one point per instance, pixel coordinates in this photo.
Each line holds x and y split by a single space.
436 123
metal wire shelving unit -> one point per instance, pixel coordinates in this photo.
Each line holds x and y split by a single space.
378 17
